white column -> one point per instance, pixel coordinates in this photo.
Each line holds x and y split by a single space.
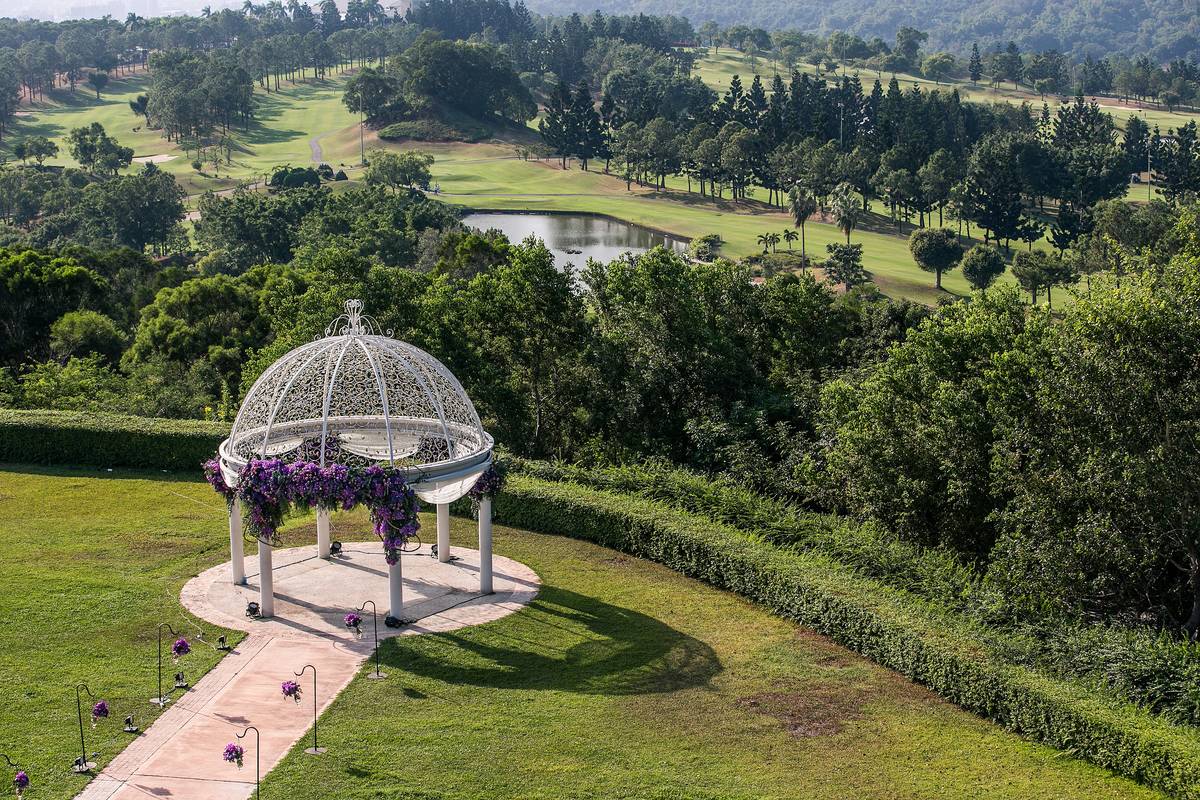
395 591
323 533
443 531
266 581
485 546
237 555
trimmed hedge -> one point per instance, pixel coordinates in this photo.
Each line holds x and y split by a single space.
107 440
916 639
932 573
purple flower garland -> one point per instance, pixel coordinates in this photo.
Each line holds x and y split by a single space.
216 479
269 488
489 484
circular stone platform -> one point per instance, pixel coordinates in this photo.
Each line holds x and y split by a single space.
313 595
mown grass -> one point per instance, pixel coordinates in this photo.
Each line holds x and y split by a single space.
625 680
286 122
93 562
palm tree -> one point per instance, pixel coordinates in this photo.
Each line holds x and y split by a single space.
790 236
140 106
764 239
845 208
802 205
773 239
373 10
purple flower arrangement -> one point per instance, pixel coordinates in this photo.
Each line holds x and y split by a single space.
291 689
263 489
216 479
489 484
21 782
354 622
268 488
393 507
234 754
180 649
99 712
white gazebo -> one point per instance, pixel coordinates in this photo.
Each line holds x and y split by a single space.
357 396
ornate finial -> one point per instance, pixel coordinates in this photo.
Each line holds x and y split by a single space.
353 322
354 316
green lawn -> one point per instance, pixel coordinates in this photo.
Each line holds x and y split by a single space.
623 679
626 680
286 124
93 562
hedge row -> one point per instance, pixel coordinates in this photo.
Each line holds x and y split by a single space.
926 644
107 440
935 574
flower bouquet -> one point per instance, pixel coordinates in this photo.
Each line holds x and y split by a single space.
234 754
291 689
354 622
180 649
99 712
21 782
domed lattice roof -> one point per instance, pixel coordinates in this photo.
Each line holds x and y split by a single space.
359 396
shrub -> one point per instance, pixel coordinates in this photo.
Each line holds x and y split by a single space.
930 647
435 130
107 440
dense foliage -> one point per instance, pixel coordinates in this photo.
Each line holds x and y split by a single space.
1167 30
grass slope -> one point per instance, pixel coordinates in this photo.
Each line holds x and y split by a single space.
625 680
287 125
717 68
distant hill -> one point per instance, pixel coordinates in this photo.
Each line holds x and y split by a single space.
1164 29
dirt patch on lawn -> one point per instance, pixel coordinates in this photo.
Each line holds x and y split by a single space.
819 710
162 158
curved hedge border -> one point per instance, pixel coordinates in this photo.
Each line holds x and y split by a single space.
107 440
892 629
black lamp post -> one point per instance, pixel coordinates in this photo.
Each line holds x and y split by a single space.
82 764
162 700
376 675
314 750
21 781
257 749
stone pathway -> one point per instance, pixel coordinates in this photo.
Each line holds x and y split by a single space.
180 755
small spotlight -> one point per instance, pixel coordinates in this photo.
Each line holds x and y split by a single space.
335 548
129 726
180 681
252 609
433 551
222 644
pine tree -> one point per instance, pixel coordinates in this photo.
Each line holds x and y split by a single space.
555 126
584 125
732 101
975 65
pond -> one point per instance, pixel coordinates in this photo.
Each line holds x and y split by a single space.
575 238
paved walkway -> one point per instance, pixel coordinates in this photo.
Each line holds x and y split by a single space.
180 755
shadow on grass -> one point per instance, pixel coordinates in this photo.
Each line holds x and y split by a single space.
563 641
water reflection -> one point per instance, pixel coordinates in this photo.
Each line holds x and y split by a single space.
575 238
